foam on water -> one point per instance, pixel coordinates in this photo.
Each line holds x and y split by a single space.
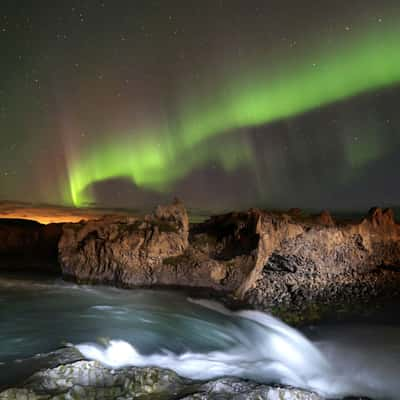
265 350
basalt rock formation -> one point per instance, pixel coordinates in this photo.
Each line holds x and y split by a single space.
329 261
28 245
261 257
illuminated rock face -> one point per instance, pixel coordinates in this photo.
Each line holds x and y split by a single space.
327 262
126 251
265 258
156 250
90 380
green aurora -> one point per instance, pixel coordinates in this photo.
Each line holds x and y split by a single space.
157 157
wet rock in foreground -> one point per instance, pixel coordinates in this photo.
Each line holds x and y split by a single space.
236 389
90 380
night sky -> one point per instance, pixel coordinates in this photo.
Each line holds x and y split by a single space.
223 103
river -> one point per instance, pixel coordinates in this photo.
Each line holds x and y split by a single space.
197 338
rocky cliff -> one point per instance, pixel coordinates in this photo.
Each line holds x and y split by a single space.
320 261
261 257
127 251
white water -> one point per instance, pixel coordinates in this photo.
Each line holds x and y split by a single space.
265 349
197 339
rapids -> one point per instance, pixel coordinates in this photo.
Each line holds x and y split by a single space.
198 339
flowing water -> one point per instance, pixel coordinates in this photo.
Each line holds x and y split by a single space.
197 338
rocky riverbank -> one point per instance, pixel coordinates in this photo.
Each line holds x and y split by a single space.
261 258
269 260
68 376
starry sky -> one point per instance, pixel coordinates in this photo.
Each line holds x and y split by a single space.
223 103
